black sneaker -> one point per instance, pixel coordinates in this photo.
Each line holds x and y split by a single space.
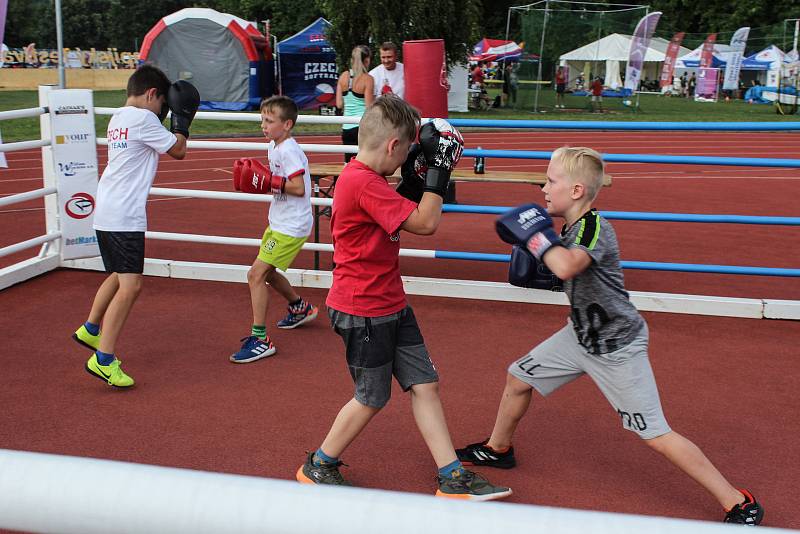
320 474
480 454
748 513
470 486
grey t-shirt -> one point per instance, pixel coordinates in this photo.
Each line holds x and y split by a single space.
602 315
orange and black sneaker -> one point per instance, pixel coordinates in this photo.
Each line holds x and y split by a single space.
470 486
480 454
748 513
325 473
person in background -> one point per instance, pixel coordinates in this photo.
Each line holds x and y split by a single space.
354 93
388 75
561 87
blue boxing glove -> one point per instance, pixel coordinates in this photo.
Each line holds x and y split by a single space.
528 225
526 271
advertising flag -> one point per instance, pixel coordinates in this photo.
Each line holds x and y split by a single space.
734 65
669 59
639 44
707 57
3 9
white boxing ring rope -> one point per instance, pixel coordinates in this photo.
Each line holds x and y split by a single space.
51 493
86 496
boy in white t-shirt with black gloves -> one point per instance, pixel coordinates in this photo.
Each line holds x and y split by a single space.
136 138
289 181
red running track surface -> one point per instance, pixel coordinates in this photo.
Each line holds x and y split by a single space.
725 383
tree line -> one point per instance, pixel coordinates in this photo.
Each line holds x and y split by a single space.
121 24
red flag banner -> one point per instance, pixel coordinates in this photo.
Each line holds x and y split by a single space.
669 59
707 57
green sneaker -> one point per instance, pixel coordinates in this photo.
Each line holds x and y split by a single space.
86 339
470 486
320 474
111 373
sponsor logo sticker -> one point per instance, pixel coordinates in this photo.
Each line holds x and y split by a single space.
71 110
80 205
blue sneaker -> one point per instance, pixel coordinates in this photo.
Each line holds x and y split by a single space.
299 314
253 349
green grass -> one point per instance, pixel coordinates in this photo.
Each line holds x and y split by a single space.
652 108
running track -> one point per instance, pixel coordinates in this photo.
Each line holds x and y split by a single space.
725 383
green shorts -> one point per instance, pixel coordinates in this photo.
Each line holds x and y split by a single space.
279 249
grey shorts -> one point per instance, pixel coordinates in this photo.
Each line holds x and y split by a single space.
624 377
379 347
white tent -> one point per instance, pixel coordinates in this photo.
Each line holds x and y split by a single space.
691 60
604 56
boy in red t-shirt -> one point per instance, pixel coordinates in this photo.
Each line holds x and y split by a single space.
597 95
367 305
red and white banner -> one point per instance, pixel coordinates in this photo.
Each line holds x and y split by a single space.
734 63
639 45
669 59
707 57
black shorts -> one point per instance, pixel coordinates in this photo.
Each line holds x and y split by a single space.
560 88
379 347
350 137
122 252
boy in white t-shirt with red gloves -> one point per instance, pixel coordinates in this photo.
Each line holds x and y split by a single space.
136 138
289 181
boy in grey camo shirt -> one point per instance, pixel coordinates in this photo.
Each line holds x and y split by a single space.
605 336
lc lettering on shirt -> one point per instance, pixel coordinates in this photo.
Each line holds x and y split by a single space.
135 140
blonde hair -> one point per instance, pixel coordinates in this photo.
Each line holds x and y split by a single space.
357 58
388 116
583 165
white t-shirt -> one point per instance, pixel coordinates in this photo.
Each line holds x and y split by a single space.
289 214
135 139
391 79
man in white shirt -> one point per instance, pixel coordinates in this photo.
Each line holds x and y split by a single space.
388 75
136 138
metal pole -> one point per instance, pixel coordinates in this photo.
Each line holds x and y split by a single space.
60 44
796 30
541 56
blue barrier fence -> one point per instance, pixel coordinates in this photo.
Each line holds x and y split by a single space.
641 265
637 126
644 216
645 158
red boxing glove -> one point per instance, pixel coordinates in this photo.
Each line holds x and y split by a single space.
237 173
253 180
273 183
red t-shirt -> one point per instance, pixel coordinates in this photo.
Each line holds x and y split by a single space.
597 88
477 75
560 78
365 227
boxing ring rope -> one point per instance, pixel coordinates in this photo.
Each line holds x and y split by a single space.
164 499
48 257
479 256
40 492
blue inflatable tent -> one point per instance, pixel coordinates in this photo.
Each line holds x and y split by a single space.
307 67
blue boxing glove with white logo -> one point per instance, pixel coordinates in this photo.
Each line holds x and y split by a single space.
530 226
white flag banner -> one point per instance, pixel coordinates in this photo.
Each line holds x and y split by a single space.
639 45
734 63
3 162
